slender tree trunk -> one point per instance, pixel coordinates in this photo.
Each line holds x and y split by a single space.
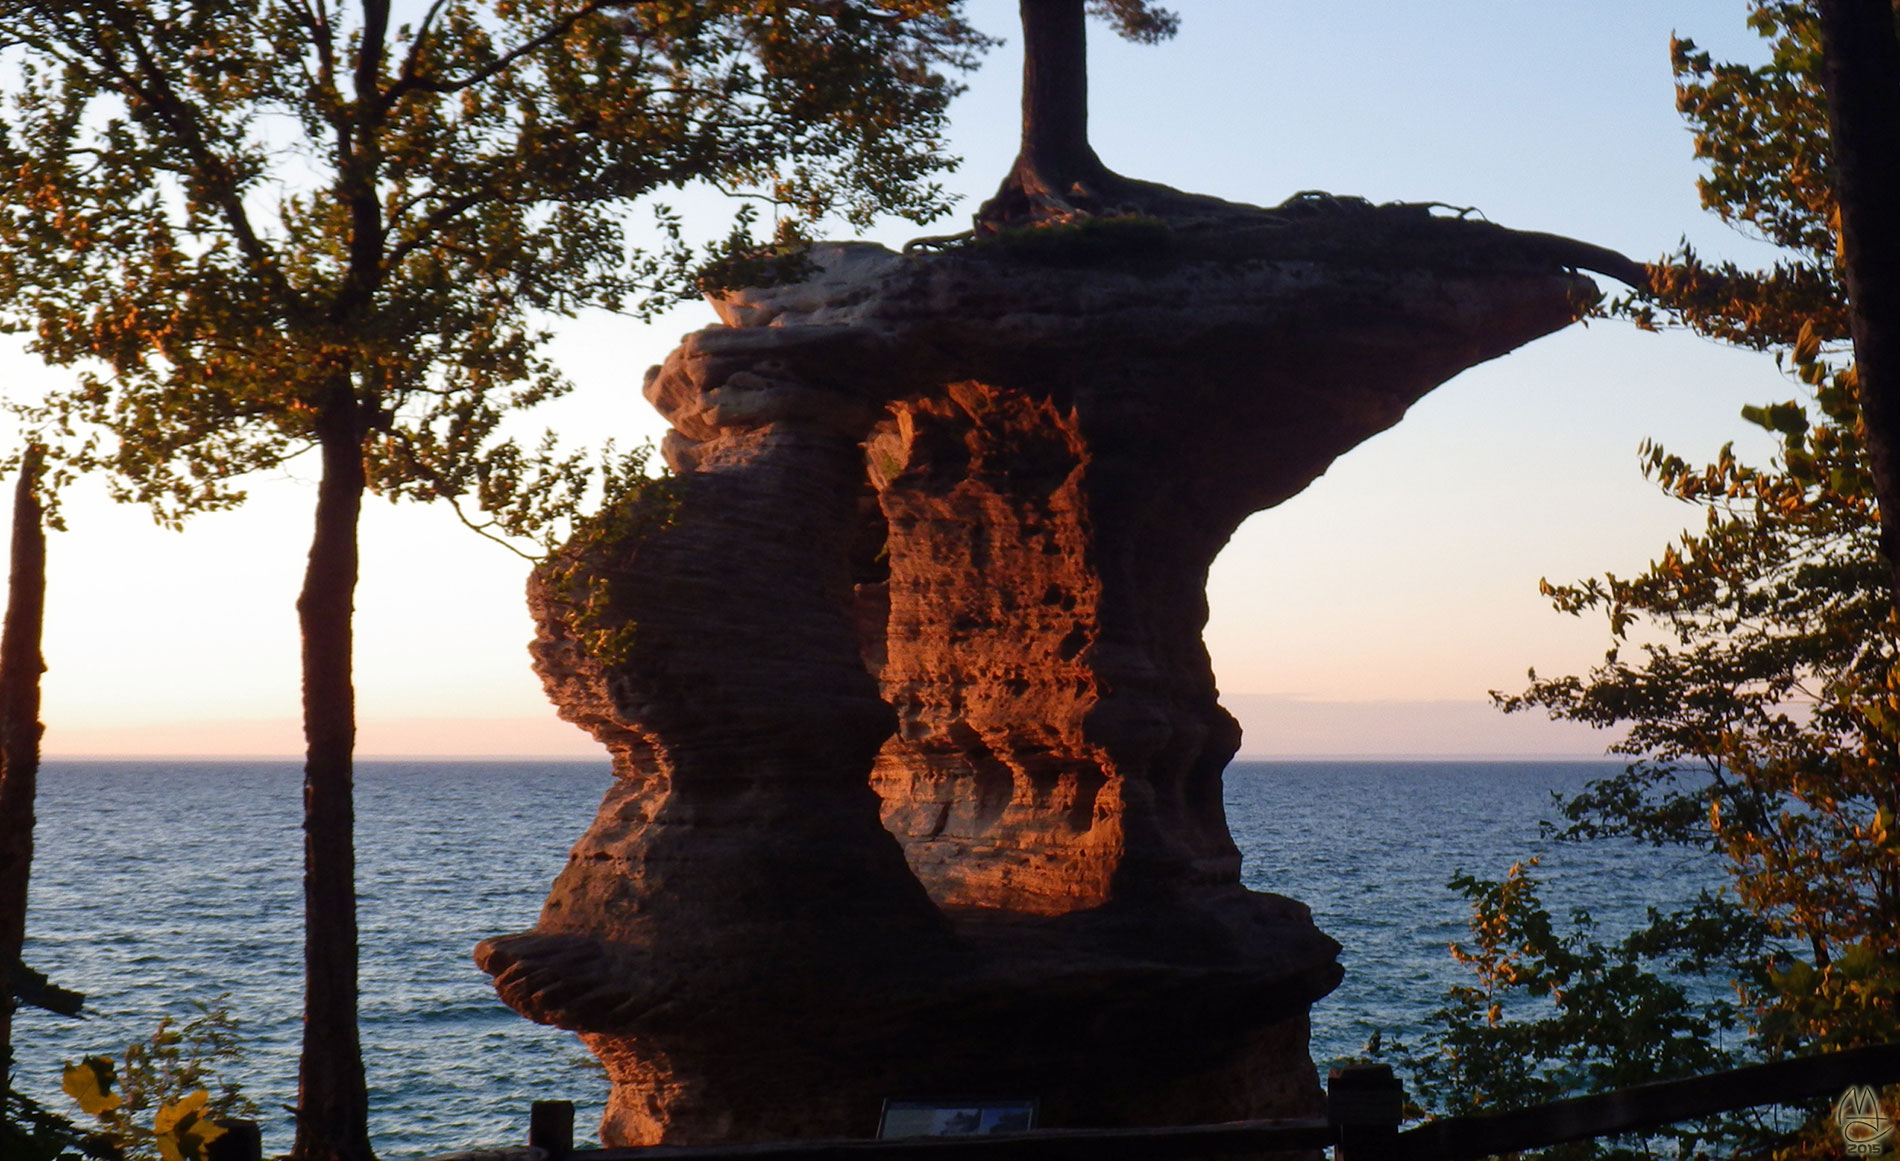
333 1099
1861 73
1056 93
20 669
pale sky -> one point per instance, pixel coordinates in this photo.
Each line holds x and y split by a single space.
1368 615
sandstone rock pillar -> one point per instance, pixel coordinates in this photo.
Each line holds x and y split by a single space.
917 748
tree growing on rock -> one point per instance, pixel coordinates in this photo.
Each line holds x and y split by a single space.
1056 176
264 228
1057 179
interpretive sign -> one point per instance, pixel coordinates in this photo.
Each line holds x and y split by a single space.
954 1118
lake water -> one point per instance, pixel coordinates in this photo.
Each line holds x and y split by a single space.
157 883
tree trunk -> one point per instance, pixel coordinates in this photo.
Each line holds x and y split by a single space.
1056 94
20 669
1861 73
332 1099
1056 170
1057 178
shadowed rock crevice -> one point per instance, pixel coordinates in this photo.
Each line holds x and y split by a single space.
917 747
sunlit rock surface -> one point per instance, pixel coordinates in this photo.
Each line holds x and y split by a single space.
917 748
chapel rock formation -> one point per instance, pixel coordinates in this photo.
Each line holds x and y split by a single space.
917 748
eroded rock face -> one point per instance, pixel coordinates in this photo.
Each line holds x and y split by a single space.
917 748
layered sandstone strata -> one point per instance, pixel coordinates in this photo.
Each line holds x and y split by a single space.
917 748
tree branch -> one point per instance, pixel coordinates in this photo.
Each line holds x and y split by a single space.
412 60
414 82
148 82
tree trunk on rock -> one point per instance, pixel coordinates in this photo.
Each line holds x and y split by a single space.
20 669
332 1098
1055 157
1056 172
1057 177
1861 73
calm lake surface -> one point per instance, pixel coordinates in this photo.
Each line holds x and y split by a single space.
159 883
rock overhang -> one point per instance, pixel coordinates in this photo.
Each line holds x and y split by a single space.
920 727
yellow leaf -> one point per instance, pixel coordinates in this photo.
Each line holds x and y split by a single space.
169 1115
207 1132
90 1083
179 1130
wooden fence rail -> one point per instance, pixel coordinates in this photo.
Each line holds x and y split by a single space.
1362 1123
1172 1143
1650 1106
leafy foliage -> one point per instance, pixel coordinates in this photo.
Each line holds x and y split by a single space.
1771 668
258 227
599 547
1554 1012
31 1132
1756 667
28 1130
1137 20
160 1102
1762 132
222 210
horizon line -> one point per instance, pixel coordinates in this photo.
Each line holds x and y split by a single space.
1488 756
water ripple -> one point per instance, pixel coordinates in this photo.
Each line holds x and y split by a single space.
157 883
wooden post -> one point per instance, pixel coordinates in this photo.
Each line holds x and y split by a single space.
240 1141
1365 1102
551 1128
